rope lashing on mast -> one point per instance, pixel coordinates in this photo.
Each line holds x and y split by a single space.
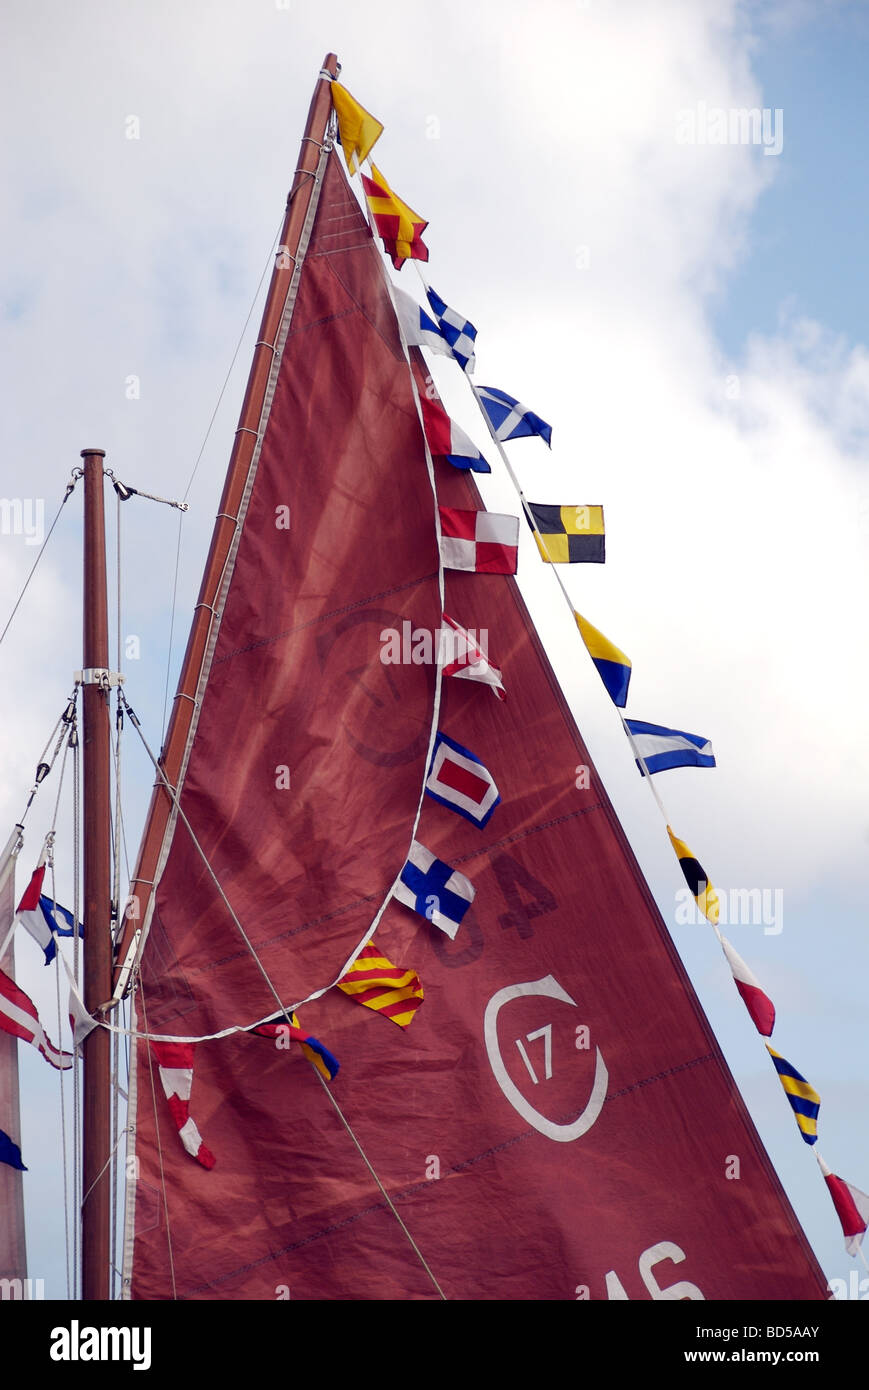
70 487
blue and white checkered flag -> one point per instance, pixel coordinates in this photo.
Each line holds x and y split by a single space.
459 332
509 418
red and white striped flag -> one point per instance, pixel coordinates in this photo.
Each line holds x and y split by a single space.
18 1016
759 1004
852 1207
462 656
175 1061
483 542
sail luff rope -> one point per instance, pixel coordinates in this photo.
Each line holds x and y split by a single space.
76 474
229 561
386 1195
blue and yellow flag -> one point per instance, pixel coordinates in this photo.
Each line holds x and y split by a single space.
613 667
568 535
804 1100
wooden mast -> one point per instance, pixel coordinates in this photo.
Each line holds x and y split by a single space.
184 707
96 1177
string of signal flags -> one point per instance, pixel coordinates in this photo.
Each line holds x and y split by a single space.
486 542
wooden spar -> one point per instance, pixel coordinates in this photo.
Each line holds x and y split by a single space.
96 1176
183 709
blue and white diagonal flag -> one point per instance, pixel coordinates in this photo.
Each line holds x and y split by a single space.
509 418
661 749
459 332
434 889
419 330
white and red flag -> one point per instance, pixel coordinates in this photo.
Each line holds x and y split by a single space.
462 656
175 1061
852 1207
758 1003
482 542
459 780
19 1016
448 440
41 916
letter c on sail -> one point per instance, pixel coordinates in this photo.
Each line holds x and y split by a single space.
563 1134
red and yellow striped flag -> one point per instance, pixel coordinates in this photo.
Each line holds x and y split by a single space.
400 227
374 981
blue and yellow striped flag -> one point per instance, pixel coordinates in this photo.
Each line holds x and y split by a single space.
804 1100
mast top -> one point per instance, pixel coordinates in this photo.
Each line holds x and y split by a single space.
86 452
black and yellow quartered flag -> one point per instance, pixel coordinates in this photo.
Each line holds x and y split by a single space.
695 877
358 129
568 535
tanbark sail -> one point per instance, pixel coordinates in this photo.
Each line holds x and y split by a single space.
557 1121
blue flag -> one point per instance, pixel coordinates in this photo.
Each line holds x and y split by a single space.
10 1153
459 332
434 889
509 418
661 749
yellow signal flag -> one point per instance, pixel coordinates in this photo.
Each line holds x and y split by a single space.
389 989
695 877
359 130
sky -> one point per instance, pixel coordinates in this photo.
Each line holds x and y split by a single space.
690 317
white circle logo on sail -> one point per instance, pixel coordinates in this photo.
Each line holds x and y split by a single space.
549 988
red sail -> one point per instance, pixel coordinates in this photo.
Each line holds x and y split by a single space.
558 1120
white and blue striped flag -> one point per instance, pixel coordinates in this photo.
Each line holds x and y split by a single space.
661 749
509 418
459 332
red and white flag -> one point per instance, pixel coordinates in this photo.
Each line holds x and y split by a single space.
448 440
175 1061
852 1207
18 1016
483 542
759 1004
462 656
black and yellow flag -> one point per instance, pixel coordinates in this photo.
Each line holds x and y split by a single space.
695 877
568 535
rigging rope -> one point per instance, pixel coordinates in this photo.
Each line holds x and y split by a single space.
76 474
229 371
386 1195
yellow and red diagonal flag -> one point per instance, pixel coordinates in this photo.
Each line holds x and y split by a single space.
359 130
374 981
399 226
